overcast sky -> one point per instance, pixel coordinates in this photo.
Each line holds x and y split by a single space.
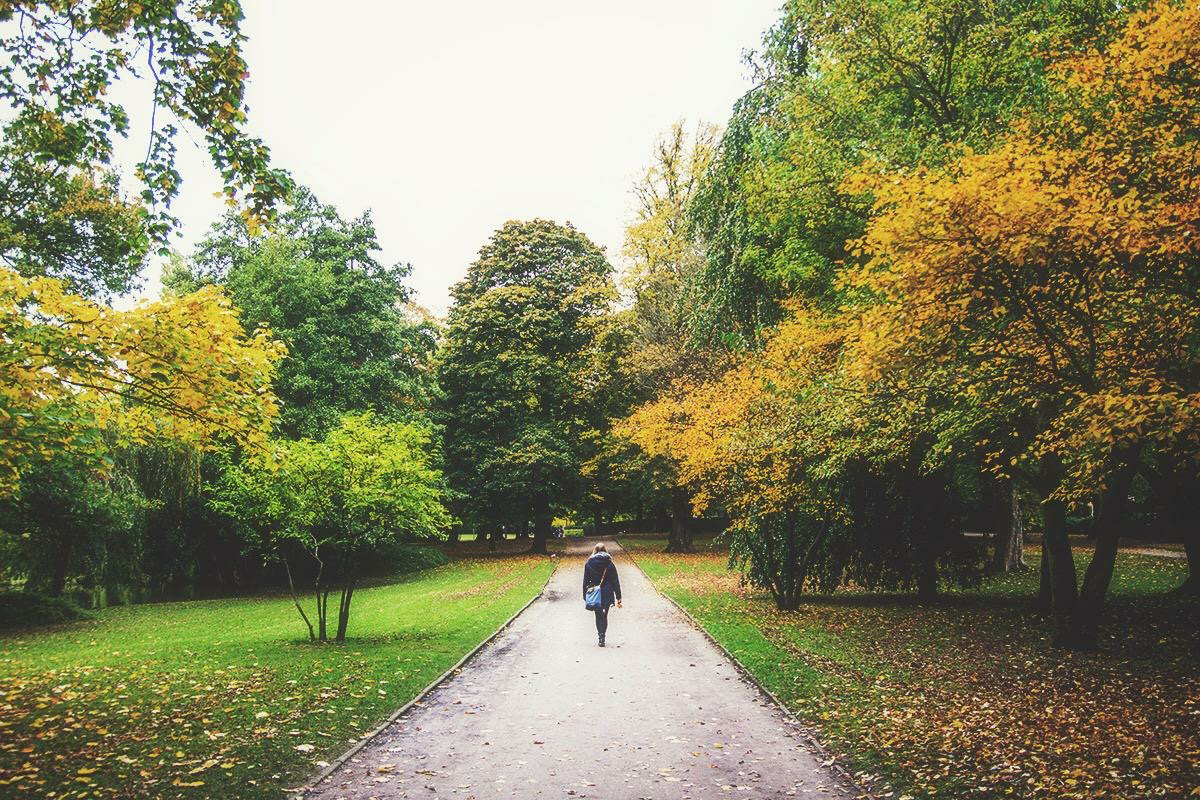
448 118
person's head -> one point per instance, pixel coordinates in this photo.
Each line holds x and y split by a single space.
600 548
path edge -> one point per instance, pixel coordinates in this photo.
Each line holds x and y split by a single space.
438 681
829 759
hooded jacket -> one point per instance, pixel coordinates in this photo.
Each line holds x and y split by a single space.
610 592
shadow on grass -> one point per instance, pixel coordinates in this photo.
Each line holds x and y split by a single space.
908 600
370 639
507 549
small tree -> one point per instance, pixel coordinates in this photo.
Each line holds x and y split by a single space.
338 501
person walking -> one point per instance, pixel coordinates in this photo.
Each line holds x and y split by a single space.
601 571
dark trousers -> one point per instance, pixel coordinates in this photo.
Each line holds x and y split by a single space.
601 621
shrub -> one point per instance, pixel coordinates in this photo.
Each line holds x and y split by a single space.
29 609
401 559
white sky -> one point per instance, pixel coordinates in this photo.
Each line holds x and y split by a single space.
449 118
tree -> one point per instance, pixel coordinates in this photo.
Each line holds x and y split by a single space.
69 225
838 81
68 522
520 374
61 63
70 370
824 486
353 343
663 260
338 501
1058 272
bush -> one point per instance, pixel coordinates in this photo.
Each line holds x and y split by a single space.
28 609
401 559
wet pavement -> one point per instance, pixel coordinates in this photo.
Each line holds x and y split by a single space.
542 712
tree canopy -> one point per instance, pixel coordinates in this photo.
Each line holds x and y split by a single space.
354 341
521 373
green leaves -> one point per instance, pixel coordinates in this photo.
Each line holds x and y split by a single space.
61 62
340 499
520 370
353 344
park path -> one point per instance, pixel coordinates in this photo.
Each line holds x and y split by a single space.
542 712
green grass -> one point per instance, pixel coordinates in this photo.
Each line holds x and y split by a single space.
226 698
965 698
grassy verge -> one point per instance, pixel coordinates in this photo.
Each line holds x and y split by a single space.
964 698
225 698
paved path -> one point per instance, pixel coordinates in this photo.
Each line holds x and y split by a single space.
542 712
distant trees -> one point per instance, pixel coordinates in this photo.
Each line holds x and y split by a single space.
522 373
72 522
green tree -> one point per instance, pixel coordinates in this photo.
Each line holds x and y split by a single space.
69 225
840 81
339 501
353 339
522 374
70 527
61 61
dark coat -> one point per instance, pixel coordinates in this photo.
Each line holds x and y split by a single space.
592 572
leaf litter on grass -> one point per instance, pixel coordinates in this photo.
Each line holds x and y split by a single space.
967 699
221 698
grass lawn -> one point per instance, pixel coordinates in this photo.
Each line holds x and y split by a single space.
965 698
226 698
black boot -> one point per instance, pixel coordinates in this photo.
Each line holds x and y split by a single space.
602 641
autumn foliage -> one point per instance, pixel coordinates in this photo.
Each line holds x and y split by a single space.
74 372
1027 310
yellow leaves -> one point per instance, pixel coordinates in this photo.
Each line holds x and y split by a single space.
1051 270
741 440
181 368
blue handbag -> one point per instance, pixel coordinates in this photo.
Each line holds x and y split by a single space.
593 598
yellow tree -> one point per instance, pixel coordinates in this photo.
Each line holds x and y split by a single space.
71 369
1057 275
756 443
662 258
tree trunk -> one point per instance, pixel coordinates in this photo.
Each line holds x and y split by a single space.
1107 527
927 579
481 535
796 569
929 519
344 610
523 531
322 605
1045 602
1009 555
493 538
58 579
680 539
541 529
1064 593
312 637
